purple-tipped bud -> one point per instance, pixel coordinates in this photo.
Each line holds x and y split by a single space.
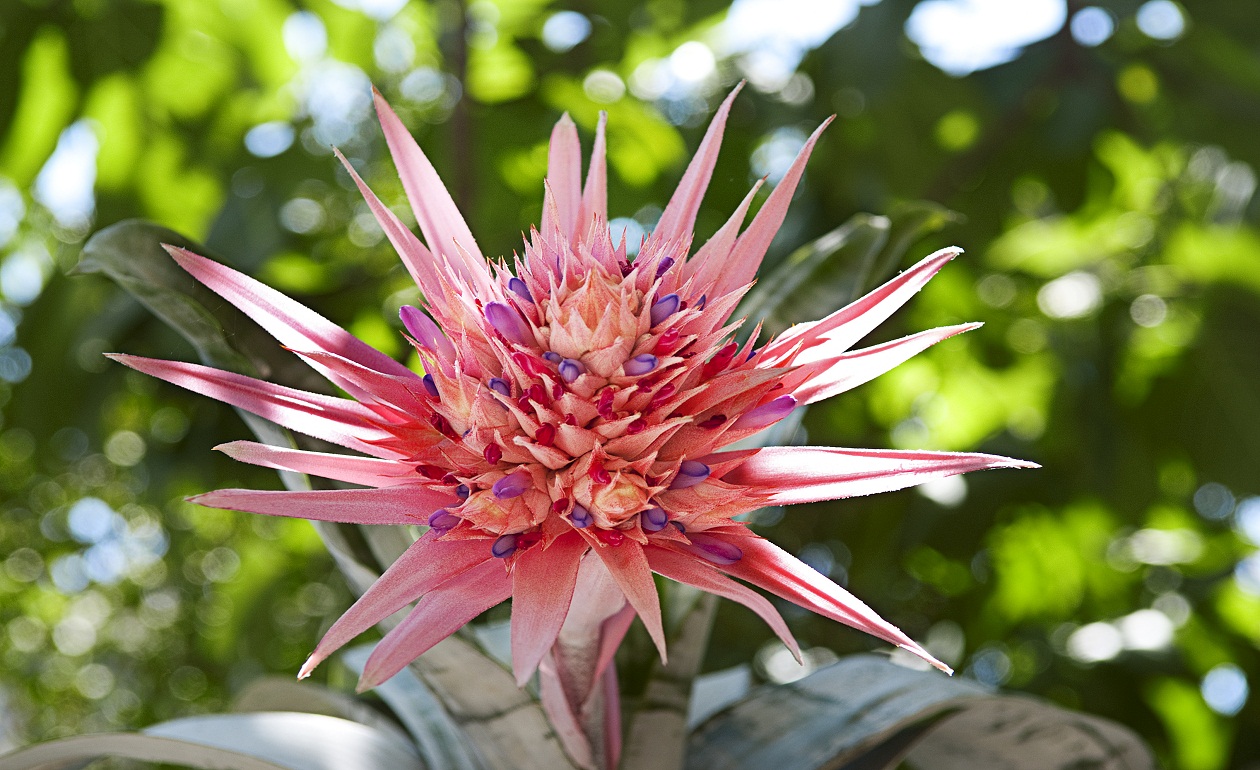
653 519
443 520
581 517
690 473
430 386
663 266
500 386
765 415
664 308
641 364
508 322
713 549
571 369
462 491
512 486
426 332
519 288
700 303
553 356
505 546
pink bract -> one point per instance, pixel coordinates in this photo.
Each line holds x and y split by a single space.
567 439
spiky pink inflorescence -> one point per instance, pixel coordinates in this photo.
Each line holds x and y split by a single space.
572 416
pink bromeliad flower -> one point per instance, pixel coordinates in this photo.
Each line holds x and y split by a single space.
566 440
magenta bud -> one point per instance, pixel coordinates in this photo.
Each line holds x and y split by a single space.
663 266
581 517
765 415
508 322
690 473
462 491
713 549
553 356
500 386
505 546
664 308
519 288
430 386
653 519
426 332
571 369
443 520
641 364
512 486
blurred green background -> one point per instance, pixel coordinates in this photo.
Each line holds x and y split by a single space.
1102 158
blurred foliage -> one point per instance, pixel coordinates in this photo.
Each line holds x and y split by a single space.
1114 256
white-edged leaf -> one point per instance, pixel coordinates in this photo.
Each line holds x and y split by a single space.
260 741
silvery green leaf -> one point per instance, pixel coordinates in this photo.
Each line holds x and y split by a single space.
440 741
869 713
262 741
282 693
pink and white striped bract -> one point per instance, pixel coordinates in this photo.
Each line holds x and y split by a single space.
569 429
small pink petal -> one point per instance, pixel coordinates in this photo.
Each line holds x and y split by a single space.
440 613
564 176
418 260
368 471
542 588
850 370
338 420
425 565
741 266
698 574
443 226
291 323
595 193
706 266
679 217
390 505
791 475
629 568
854 321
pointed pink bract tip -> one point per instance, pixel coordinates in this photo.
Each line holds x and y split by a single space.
307 668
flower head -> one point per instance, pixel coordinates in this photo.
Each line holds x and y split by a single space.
573 414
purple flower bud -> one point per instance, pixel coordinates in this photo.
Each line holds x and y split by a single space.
553 356
462 491
443 520
765 415
571 369
700 303
519 288
690 473
429 385
512 485
581 517
426 332
508 323
664 308
500 386
653 519
641 364
663 266
505 546
713 549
